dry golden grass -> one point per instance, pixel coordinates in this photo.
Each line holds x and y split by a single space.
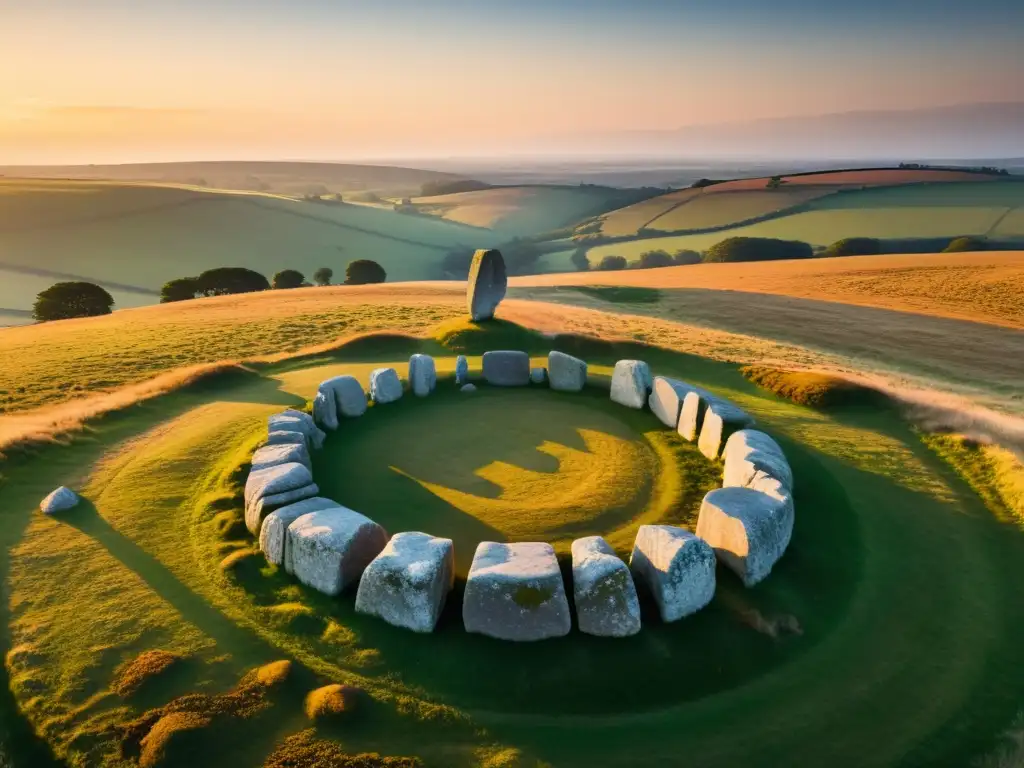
331 701
983 287
820 390
145 667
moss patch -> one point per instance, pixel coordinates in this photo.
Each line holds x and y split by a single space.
332 701
305 750
531 597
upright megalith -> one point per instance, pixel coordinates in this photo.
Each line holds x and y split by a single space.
678 568
566 373
422 375
407 583
273 531
666 400
748 452
488 282
631 381
336 398
297 421
515 592
506 368
461 370
60 500
385 386
282 453
605 596
721 420
273 487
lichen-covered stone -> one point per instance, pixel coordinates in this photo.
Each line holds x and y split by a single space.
666 400
506 368
488 282
747 528
631 381
515 592
329 549
297 421
385 386
272 482
407 583
281 453
59 500
750 451
721 420
422 375
678 568
538 375
566 373
461 370
273 538
605 596
336 398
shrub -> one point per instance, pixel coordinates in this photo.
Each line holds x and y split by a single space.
686 256
966 244
854 246
323 276
62 301
364 272
182 289
288 278
654 259
757 249
612 263
225 281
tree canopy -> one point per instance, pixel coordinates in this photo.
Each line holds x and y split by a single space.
654 259
181 289
62 301
223 281
686 256
854 246
288 278
363 272
757 249
612 263
323 276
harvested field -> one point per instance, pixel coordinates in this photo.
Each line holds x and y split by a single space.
719 209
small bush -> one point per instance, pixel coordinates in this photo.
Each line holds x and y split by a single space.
612 263
736 249
819 390
966 245
854 246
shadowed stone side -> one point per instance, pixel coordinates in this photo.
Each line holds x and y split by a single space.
721 420
488 282
631 381
605 596
566 373
282 453
678 568
666 400
515 592
422 375
329 549
385 386
407 583
506 368
273 531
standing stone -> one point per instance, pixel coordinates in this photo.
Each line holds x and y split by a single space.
282 453
422 375
487 284
566 373
273 532
297 421
721 419
515 592
59 500
538 375
337 397
606 601
461 370
666 400
269 484
407 583
328 549
678 568
631 381
747 528
504 368
286 437
325 410
748 452
385 386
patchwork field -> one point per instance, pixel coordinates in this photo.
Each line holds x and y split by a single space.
183 647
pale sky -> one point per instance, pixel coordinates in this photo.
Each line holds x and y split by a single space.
119 81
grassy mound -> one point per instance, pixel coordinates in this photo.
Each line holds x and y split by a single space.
143 669
332 701
819 390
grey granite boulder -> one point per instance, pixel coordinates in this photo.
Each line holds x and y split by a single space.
515 592
721 420
422 375
631 381
691 416
747 528
666 400
273 532
257 513
678 568
328 549
461 370
385 386
488 282
538 375
605 596
566 373
59 500
783 496
407 583
468 388
506 368
281 453
286 437
297 421
750 451
270 483
337 397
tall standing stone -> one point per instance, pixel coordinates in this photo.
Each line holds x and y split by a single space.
487 284
605 597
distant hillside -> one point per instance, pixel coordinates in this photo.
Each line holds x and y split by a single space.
278 177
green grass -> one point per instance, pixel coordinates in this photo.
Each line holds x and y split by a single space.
896 580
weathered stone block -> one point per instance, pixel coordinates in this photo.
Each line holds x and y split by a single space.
488 282
422 375
605 596
506 368
631 381
678 568
329 549
385 386
566 373
273 532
